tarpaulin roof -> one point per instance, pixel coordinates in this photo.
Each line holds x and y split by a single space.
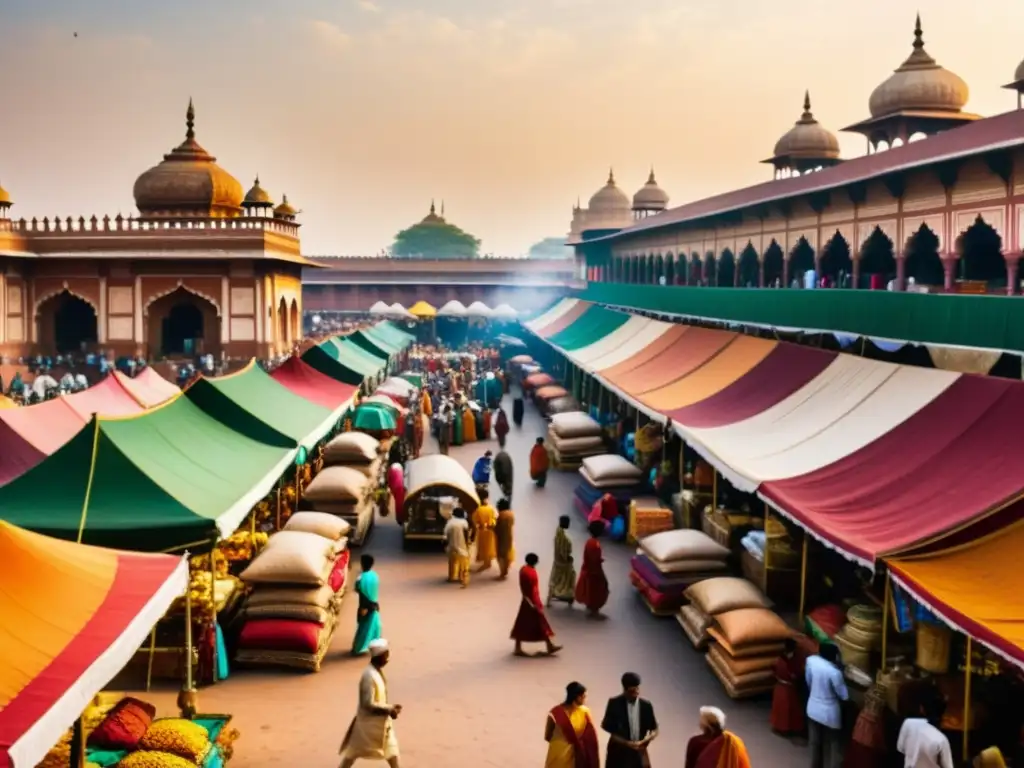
851 404
968 587
320 359
148 387
422 309
375 346
393 334
555 322
650 333
171 477
305 381
549 315
595 324
109 397
586 356
73 616
30 434
734 362
954 459
251 402
692 350
352 356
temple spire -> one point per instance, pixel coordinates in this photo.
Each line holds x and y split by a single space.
918 34
190 121
611 176
650 179
433 210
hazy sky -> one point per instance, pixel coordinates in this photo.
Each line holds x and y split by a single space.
363 110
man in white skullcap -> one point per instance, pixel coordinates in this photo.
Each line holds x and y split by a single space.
371 736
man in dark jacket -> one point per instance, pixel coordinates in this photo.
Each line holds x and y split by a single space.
631 726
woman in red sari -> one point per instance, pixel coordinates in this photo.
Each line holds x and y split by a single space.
531 624
787 706
592 587
570 732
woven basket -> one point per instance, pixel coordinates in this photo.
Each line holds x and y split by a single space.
854 655
713 527
933 648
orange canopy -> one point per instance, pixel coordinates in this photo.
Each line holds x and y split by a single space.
962 585
71 617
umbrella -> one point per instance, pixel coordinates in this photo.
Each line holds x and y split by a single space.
423 310
453 308
397 310
479 309
504 312
380 308
374 419
382 401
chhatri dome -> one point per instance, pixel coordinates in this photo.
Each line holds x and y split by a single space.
5 201
650 198
1018 84
919 97
609 199
806 146
188 183
257 196
433 217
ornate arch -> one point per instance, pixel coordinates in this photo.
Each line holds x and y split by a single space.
65 288
180 284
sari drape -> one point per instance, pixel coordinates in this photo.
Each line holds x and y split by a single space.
368 623
592 587
574 744
562 583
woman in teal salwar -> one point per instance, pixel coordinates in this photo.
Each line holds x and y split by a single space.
368 626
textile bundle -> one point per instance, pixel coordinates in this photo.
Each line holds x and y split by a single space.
573 436
746 642
346 486
298 585
711 598
670 562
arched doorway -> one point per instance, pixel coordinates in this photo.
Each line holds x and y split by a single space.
183 323
801 260
696 270
836 262
670 270
726 270
877 261
748 266
659 269
981 253
282 323
296 321
68 322
923 262
710 269
774 264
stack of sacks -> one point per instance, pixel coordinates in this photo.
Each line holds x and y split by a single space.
298 581
567 404
609 474
746 643
347 493
572 437
711 598
668 563
357 450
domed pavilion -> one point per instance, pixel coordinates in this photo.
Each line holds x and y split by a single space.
807 146
650 199
920 97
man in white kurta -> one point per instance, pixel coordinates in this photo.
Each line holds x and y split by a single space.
371 736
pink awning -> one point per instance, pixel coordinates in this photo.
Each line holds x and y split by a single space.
109 397
30 434
954 460
307 382
148 387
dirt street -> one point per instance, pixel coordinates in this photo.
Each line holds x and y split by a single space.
467 701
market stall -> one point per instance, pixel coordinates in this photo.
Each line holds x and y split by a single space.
81 612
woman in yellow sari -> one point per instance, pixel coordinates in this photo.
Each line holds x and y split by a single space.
485 518
571 734
468 425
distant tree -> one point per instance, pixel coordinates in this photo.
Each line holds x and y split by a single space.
550 248
435 240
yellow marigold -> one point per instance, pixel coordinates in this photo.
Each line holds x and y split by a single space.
179 737
154 759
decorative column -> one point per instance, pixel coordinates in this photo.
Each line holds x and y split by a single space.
949 272
760 271
901 272
735 273
785 272
1012 273
101 313
855 277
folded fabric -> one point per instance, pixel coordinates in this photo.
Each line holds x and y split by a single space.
575 424
280 635
686 566
670 583
609 470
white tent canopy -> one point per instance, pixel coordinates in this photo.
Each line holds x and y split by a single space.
380 308
397 310
453 308
479 309
504 312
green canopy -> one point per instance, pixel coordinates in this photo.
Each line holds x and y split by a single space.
352 357
170 478
416 379
323 361
374 419
252 402
592 326
376 363
391 332
372 344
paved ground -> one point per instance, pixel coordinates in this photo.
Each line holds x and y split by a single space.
467 700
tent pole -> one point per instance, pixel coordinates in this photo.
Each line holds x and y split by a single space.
714 490
767 549
803 580
77 756
152 653
967 701
885 619
188 637
277 522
